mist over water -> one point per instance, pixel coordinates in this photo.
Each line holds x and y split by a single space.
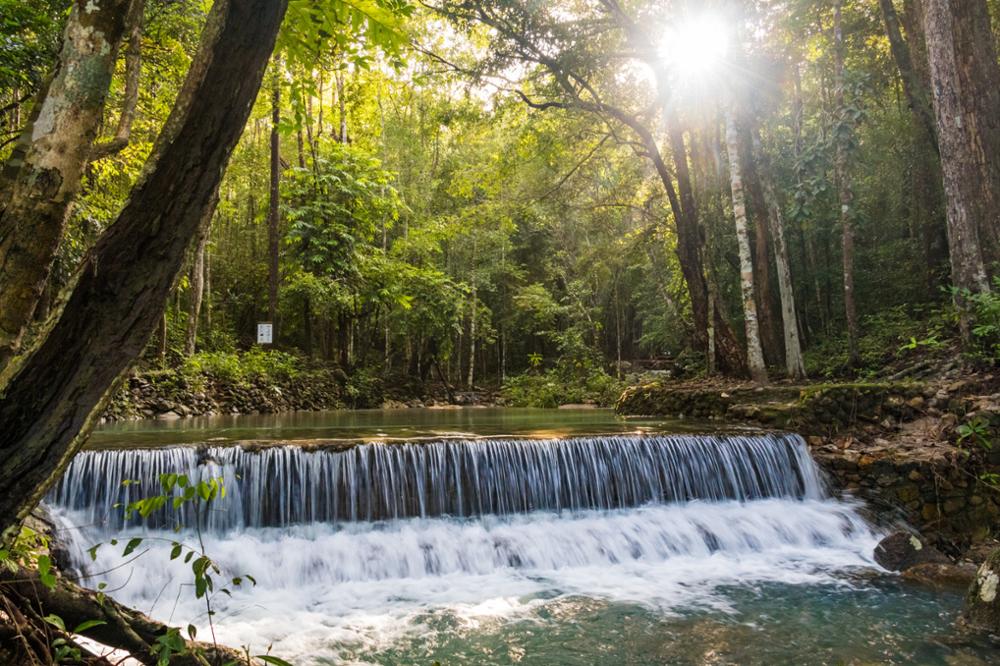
404 553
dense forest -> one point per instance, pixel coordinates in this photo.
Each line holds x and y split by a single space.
537 201
482 191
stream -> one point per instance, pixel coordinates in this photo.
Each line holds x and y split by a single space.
542 544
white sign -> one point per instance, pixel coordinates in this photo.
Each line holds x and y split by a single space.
265 333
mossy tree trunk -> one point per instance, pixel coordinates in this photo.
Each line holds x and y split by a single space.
43 174
51 404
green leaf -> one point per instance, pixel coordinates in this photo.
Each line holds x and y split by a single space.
131 546
55 621
88 624
270 659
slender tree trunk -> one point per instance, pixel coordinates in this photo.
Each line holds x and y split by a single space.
342 106
845 189
197 287
917 97
728 351
470 380
962 169
794 363
43 173
133 69
51 405
764 291
755 355
274 194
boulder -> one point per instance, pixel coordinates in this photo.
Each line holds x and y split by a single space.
982 603
933 574
901 551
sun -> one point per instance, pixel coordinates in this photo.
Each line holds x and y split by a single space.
695 49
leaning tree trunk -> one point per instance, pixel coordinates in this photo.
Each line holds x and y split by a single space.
43 174
961 167
52 403
845 189
755 355
130 101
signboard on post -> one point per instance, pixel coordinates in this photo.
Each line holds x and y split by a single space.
265 333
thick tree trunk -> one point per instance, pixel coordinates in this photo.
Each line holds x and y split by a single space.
979 77
755 355
52 403
794 363
274 194
845 189
963 170
43 174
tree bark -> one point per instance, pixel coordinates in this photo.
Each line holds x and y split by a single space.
917 97
794 363
961 166
197 286
755 355
274 194
52 403
845 189
133 69
43 174
979 83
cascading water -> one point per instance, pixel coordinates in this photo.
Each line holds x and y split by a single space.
361 544
282 486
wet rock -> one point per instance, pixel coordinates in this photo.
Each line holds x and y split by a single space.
982 603
939 575
901 551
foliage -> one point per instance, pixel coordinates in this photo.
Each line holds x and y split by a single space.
240 368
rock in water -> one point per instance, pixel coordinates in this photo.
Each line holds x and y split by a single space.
901 550
982 604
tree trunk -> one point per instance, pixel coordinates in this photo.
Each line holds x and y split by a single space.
917 97
197 286
470 380
979 77
794 364
962 168
728 351
755 355
764 291
845 189
52 403
43 174
274 193
133 69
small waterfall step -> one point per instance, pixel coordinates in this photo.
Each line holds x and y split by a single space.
289 485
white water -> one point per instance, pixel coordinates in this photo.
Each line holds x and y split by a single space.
329 587
319 586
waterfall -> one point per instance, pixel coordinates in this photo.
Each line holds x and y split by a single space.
357 548
288 485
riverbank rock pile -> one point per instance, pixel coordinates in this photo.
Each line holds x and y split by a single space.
171 395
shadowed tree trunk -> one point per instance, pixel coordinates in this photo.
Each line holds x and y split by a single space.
43 174
845 188
274 193
962 167
52 403
755 355
133 69
197 285
979 83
